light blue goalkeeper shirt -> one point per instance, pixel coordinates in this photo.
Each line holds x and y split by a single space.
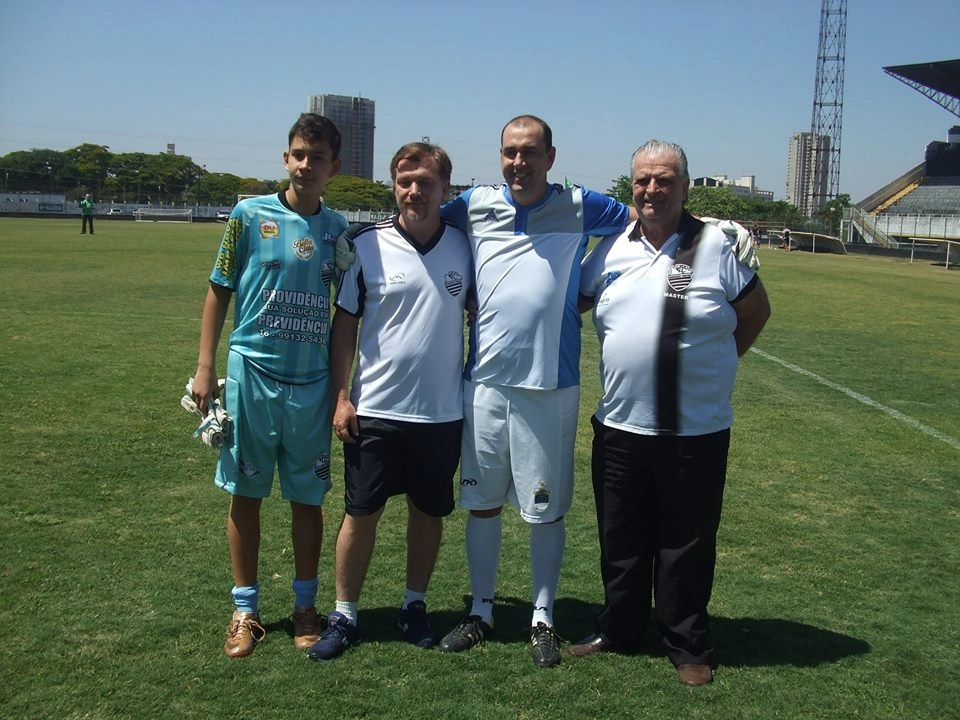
281 268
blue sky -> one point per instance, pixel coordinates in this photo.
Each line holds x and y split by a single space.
730 81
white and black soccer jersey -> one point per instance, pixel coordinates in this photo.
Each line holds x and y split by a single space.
280 266
527 330
666 323
411 300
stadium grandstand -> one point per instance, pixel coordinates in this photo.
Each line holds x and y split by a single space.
918 213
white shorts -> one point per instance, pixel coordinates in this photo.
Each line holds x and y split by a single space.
518 447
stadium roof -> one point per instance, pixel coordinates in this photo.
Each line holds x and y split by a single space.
939 81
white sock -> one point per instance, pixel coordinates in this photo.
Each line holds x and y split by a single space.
546 557
348 610
413 596
483 556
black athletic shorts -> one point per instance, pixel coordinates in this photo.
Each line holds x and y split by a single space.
394 457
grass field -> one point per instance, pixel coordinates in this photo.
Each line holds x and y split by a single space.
838 584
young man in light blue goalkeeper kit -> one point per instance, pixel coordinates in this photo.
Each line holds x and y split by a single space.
277 257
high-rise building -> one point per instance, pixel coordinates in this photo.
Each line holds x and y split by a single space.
354 118
807 178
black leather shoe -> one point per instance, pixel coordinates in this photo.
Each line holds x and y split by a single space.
591 644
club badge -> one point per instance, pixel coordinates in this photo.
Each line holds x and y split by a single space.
453 282
679 277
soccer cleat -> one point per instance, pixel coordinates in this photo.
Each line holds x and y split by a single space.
469 632
339 635
306 627
546 645
416 629
244 633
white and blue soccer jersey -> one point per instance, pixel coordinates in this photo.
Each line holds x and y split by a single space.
280 266
410 299
668 358
527 259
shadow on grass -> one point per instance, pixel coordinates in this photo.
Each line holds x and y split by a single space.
740 642
765 642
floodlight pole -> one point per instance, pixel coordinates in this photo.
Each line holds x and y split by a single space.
827 121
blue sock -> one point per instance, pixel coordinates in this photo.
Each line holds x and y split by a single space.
246 598
305 592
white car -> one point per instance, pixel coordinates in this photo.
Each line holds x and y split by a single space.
222 215
115 211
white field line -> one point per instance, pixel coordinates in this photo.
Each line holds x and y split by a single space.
895 414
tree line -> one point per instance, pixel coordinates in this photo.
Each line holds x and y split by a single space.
159 179
165 179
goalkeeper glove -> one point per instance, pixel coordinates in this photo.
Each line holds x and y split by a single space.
217 426
739 236
345 250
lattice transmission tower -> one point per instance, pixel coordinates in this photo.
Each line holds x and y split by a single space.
827 122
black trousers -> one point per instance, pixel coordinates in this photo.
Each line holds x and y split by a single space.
87 219
658 505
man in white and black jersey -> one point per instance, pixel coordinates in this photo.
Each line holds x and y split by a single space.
674 309
401 421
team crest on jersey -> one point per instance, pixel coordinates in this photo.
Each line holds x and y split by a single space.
321 467
303 248
269 229
326 272
679 277
453 282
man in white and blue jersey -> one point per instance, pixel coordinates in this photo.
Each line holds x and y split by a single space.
277 258
401 421
521 388
674 308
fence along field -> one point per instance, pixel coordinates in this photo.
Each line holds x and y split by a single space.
838 567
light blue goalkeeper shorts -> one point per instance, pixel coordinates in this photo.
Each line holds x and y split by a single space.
276 425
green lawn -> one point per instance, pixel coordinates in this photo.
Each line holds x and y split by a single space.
839 571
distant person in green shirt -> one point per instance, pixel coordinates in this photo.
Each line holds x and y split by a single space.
86 212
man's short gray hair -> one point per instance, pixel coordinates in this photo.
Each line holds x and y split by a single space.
658 149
